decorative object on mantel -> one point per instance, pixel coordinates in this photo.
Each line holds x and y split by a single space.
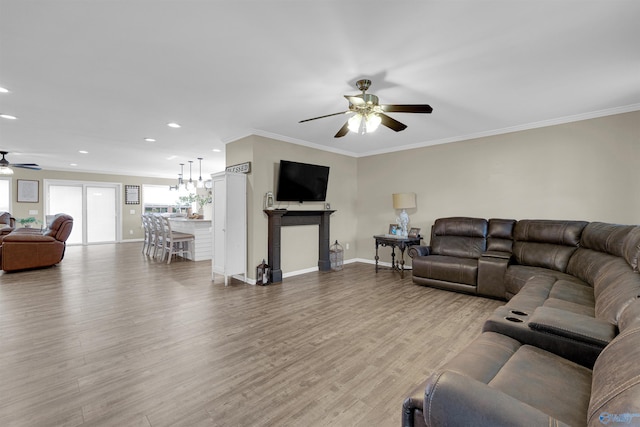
268 200
404 201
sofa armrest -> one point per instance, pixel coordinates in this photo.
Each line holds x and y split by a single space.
27 238
492 267
416 251
412 413
455 399
572 325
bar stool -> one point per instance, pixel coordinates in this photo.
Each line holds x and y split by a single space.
176 243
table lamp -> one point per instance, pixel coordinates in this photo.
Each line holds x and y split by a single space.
404 201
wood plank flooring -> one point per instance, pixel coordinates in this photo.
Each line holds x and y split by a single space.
111 338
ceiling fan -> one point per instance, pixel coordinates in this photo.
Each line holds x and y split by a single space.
369 114
6 170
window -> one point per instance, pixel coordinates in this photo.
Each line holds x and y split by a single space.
158 198
5 194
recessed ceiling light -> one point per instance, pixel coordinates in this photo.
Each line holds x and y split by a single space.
173 125
83 152
8 116
216 150
171 157
4 90
150 140
73 164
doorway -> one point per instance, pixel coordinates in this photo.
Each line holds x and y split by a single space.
94 206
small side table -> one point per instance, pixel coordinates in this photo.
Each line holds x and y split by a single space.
399 242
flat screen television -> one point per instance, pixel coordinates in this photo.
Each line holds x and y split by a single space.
302 182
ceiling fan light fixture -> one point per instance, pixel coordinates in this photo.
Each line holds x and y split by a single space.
6 170
354 123
364 124
373 121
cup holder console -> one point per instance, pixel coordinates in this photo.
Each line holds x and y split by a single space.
514 319
519 313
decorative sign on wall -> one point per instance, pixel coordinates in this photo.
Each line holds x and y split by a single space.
132 194
240 168
28 191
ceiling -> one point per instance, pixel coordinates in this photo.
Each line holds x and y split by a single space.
102 75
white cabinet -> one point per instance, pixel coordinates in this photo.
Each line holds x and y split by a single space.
229 225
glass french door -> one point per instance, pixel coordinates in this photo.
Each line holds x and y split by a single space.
94 207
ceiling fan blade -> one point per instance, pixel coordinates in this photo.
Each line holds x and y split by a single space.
357 100
322 117
32 166
392 124
407 108
343 130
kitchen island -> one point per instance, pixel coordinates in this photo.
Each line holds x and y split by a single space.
201 229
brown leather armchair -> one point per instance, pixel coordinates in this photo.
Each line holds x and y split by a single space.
28 248
7 224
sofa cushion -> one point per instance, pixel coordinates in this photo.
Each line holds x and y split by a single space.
549 231
447 268
496 380
631 248
615 288
571 307
517 276
572 292
546 243
553 385
459 237
500 235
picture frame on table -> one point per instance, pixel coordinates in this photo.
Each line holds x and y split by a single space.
414 233
393 229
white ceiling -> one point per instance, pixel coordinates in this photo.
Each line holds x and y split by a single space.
102 75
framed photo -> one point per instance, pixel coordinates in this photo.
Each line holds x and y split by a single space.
28 191
414 232
393 229
131 194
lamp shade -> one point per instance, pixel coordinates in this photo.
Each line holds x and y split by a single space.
404 200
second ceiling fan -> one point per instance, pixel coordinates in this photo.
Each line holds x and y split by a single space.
369 113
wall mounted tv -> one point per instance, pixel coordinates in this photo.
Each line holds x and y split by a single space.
302 182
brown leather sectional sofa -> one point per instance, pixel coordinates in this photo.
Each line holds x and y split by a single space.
25 248
564 350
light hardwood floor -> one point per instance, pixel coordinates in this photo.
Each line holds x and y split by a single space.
111 338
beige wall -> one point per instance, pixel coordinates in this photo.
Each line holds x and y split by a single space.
129 221
587 170
299 243
582 170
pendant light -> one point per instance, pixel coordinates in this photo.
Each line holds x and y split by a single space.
190 185
200 181
180 180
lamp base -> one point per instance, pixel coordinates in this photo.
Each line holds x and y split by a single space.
403 220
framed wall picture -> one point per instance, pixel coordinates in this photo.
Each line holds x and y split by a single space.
28 191
414 232
131 194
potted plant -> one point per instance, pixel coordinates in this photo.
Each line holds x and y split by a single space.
200 200
28 222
